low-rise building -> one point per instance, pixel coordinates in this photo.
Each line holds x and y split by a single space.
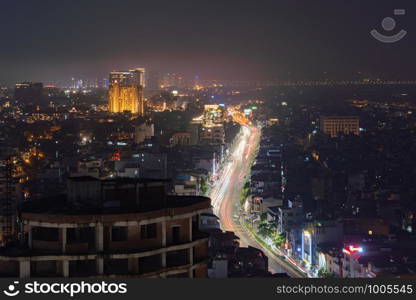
270 201
288 218
180 139
316 234
213 134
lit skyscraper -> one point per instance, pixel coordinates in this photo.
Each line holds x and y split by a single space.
126 91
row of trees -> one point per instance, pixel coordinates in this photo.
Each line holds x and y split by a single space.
268 230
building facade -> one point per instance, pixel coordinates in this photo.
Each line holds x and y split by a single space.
143 131
334 125
126 91
159 238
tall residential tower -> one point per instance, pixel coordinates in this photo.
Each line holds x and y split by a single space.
126 91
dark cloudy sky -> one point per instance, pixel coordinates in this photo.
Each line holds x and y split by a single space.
54 40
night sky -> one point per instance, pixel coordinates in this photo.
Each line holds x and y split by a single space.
288 39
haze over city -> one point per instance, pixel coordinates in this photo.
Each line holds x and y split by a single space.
53 41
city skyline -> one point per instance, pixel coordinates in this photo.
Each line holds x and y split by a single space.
208 139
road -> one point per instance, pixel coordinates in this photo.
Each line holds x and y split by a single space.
225 195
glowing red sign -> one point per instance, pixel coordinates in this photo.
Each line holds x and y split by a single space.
353 249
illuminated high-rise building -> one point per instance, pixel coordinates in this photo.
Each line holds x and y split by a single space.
212 130
126 91
214 114
334 125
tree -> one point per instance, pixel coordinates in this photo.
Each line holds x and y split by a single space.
203 186
265 229
245 193
279 239
324 273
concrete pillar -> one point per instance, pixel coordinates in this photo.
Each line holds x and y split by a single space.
163 255
99 265
191 255
65 268
163 233
133 265
24 269
190 229
63 239
99 237
30 237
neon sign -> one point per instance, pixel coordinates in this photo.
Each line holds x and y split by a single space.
353 249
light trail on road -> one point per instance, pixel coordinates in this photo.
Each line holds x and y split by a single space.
226 192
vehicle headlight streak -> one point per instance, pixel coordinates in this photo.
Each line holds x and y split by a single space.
237 154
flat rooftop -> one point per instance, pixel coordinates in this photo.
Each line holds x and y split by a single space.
60 206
